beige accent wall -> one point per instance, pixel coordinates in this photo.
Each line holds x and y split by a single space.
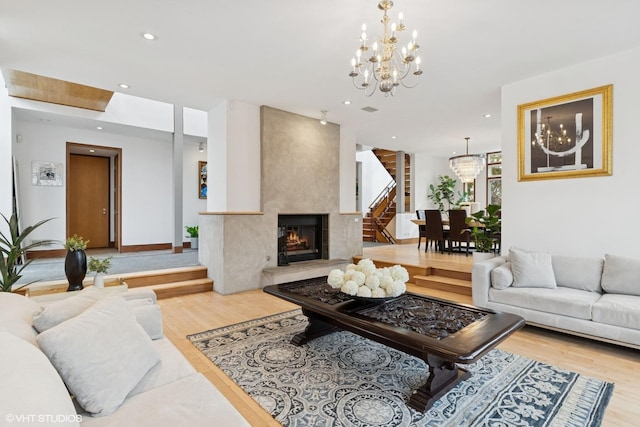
299 174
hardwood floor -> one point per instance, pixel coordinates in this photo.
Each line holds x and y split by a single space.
199 312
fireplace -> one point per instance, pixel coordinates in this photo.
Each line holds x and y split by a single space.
302 238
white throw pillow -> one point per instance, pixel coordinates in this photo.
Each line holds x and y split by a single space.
59 311
101 354
531 269
150 318
502 276
32 387
621 275
583 273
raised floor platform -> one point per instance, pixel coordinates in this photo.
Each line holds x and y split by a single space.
301 270
431 269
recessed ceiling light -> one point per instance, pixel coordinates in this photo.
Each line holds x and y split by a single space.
99 127
486 116
347 102
149 36
91 150
124 86
393 137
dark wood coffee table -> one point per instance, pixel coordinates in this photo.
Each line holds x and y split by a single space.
440 332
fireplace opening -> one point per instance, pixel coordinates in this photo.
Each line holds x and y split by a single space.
302 238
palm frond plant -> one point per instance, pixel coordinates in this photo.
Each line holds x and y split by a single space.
13 250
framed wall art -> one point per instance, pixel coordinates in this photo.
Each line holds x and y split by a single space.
46 173
202 180
568 136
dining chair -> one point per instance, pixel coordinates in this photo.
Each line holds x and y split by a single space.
422 229
435 230
458 230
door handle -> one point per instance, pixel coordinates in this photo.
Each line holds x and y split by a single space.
104 211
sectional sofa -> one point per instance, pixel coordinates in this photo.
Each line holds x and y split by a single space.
593 297
99 359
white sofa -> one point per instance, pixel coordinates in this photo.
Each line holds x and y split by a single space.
588 296
109 352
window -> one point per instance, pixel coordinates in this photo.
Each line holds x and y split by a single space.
494 178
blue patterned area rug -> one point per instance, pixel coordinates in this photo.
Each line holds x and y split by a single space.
343 379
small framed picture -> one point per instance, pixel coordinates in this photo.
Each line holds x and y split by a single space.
202 180
46 173
569 136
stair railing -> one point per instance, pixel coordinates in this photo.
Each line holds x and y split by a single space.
384 194
383 230
385 198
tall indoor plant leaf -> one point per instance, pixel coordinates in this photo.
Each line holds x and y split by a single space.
12 250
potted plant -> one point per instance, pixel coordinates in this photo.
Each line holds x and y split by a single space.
75 263
100 267
485 230
12 251
193 234
443 194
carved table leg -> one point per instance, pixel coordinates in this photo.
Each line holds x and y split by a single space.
443 376
316 328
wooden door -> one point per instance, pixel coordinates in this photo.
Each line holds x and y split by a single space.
88 199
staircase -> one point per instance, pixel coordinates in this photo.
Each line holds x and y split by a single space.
388 159
381 212
383 209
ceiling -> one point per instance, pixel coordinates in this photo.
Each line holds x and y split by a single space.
295 55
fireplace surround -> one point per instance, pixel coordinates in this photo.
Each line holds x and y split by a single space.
300 173
302 237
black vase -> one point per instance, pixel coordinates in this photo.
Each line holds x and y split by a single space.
75 268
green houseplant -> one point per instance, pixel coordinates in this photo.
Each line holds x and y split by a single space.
486 228
193 232
75 263
443 194
12 249
100 267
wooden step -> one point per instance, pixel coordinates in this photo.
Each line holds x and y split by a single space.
443 283
176 289
168 275
450 273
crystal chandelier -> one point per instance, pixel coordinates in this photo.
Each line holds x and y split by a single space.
467 166
386 67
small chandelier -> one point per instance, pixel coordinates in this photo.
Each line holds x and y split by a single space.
467 166
547 137
386 67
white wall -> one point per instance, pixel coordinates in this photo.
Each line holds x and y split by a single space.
427 170
5 155
146 169
195 122
234 157
580 216
347 169
146 180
